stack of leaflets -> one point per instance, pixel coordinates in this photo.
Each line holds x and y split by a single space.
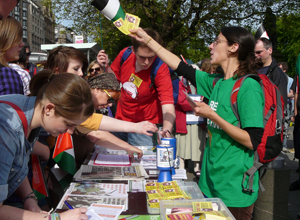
90 172
164 191
86 193
198 210
131 22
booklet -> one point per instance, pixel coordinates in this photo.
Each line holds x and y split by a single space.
112 160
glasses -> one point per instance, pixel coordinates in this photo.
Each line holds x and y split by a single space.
217 40
28 54
110 99
259 52
96 69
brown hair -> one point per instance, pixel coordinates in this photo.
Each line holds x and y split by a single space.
152 33
284 65
60 56
70 94
245 52
206 65
11 33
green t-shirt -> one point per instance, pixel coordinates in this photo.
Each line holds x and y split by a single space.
225 160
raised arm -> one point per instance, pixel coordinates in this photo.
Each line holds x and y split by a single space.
102 59
168 57
173 61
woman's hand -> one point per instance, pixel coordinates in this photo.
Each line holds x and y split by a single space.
203 110
74 214
145 127
140 35
31 205
102 59
133 150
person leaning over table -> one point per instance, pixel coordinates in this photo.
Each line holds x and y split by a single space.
69 59
229 151
57 111
139 100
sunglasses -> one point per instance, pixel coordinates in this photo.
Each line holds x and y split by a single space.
96 69
110 99
28 54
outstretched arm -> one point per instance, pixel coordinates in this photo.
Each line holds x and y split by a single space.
108 140
115 125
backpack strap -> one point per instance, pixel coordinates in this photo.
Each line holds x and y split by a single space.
155 67
234 106
234 93
216 79
34 70
125 55
20 113
250 173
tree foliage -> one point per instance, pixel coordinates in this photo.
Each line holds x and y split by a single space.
288 33
186 26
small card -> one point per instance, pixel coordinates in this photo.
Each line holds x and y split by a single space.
190 100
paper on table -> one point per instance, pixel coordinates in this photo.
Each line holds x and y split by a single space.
107 212
92 215
112 160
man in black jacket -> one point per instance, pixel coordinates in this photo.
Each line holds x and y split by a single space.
263 50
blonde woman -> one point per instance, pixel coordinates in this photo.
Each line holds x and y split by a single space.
11 44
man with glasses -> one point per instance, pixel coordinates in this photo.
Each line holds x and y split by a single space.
139 100
263 51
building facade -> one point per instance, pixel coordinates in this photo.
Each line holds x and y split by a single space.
37 21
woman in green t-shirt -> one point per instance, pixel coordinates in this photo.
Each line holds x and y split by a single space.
230 150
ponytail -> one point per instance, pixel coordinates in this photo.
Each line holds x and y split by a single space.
69 93
249 66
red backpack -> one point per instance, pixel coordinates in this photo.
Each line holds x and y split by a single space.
271 142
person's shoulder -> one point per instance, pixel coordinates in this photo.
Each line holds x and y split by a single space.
8 71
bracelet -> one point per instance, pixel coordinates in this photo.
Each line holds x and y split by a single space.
169 132
32 196
148 41
158 49
54 216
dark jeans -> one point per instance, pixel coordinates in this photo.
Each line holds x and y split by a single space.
244 213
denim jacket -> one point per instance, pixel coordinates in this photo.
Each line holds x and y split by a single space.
15 149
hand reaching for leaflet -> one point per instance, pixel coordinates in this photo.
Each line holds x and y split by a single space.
133 150
145 127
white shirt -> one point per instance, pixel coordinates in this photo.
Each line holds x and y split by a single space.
24 75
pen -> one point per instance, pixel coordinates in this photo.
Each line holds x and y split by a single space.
130 217
67 204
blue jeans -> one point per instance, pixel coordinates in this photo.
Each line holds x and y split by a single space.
135 139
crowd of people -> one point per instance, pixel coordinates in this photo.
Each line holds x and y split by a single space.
69 95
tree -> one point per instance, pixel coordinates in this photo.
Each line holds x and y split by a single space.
186 26
289 39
